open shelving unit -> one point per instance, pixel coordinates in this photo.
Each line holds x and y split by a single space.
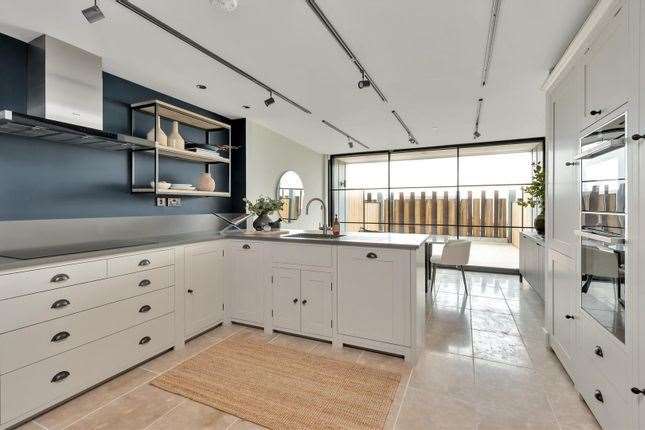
162 110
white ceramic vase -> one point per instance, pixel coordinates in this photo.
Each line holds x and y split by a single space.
206 182
174 138
162 139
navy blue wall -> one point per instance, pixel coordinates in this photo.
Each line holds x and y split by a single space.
46 180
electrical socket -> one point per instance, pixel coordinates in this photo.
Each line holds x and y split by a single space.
161 201
174 201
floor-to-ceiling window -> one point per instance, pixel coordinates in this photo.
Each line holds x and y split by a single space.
466 191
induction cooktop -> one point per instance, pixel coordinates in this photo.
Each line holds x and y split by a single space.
75 248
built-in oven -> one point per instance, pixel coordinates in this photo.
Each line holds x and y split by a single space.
603 221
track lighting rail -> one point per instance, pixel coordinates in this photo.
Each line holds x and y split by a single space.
490 40
348 136
413 140
167 28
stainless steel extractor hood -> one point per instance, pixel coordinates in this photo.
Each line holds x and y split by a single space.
65 83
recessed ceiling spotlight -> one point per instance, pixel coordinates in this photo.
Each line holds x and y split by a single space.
364 83
412 140
268 102
201 86
227 5
476 135
93 13
246 107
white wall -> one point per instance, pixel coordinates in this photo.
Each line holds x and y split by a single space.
269 155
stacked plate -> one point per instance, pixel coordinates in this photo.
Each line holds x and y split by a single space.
183 187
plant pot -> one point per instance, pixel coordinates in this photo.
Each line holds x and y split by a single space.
261 221
538 223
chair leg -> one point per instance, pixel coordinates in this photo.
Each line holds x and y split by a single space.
463 275
434 273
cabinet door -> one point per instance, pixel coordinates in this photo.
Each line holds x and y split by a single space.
204 287
247 284
565 288
286 298
374 294
563 196
315 296
607 68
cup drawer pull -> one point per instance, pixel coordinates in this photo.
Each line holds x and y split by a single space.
371 255
58 304
61 277
144 262
145 308
145 283
59 337
145 340
598 351
60 376
598 396
246 246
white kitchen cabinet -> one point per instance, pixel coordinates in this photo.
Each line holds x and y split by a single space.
286 298
204 287
302 301
246 282
608 68
563 273
562 195
532 262
374 294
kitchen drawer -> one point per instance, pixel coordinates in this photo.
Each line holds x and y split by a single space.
22 311
33 388
605 354
611 410
245 245
302 254
372 253
34 343
32 281
139 262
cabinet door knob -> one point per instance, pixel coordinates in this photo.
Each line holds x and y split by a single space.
145 283
638 136
61 277
304 302
59 337
145 340
144 262
598 396
598 351
371 255
638 390
245 246
58 304
595 112
145 308
569 317
295 300
60 376
190 291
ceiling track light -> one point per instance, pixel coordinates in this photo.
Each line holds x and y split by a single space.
350 140
413 140
363 83
268 102
93 13
170 30
345 47
490 39
476 133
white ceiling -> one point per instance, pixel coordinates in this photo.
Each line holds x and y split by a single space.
426 56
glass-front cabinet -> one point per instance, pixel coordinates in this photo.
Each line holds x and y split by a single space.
603 225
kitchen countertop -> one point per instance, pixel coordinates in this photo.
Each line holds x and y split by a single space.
381 240
532 234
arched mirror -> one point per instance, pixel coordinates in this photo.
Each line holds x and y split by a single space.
291 192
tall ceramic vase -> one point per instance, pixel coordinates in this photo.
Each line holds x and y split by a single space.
205 182
161 137
174 138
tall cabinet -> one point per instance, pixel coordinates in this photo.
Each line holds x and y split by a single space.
597 82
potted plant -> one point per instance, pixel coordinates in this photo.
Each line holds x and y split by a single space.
534 196
263 208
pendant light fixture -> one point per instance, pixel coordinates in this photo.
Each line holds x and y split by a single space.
93 13
268 102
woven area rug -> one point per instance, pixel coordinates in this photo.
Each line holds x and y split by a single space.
281 388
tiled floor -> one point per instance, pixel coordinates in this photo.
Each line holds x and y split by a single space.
485 367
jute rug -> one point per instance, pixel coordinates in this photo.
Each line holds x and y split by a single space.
281 388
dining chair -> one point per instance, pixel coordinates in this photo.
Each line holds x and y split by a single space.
455 254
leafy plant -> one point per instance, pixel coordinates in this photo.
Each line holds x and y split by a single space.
263 205
535 190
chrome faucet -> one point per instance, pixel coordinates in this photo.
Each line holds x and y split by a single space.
325 226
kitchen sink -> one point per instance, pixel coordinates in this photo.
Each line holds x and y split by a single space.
313 236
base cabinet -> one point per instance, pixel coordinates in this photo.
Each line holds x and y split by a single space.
562 271
302 301
246 282
374 294
204 287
